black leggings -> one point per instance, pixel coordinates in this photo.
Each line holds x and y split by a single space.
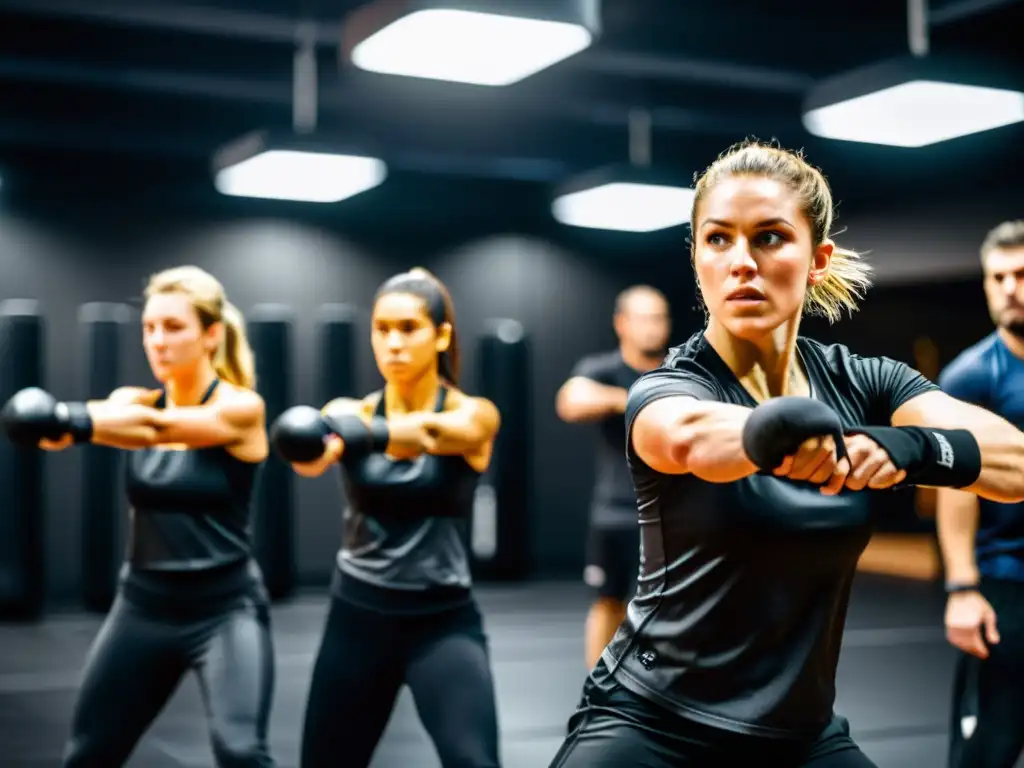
365 657
613 728
987 728
137 661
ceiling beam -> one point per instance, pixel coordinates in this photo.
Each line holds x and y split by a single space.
700 71
545 161
543 156
367 99
191 19
958 10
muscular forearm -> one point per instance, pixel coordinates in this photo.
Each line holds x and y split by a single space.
590 401
122 425
998 443
407 433
453 432
708 442
1002 462
957 523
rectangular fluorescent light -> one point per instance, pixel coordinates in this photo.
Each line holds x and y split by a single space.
469 47
313 177
625 207
917 113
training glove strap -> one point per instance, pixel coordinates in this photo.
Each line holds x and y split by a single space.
77 422
360 438
940 458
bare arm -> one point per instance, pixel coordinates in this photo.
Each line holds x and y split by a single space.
132 424
466 429
581 399
680 435
124 420
1002 444
121 403
957 522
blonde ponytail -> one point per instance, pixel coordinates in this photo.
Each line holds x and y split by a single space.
848 279
233 361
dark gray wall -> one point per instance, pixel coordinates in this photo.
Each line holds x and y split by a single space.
934 236
559 287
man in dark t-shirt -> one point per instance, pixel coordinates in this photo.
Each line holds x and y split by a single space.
983 541
596 392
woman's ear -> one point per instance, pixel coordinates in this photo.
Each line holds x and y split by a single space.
213 337
820 263
444 337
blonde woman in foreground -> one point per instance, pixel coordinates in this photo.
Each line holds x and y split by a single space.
754 452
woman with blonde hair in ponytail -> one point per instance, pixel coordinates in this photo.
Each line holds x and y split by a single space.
190 597
402 609
754 453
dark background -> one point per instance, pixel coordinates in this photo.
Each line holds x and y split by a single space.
108 119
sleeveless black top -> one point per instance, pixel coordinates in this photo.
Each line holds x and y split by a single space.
743 589
190 519
404 543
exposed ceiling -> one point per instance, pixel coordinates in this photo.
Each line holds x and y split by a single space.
101 90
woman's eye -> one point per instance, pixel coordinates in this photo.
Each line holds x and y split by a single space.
769 238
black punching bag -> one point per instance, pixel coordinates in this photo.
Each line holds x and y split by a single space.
270 335
106 330
23 501
500 540
337 332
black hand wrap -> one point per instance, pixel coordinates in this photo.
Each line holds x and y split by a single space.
33 414
940 458
298 434
76 420
359 437
776 429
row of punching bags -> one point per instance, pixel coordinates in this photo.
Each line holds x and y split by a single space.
109 356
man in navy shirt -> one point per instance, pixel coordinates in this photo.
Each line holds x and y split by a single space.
982 541
596 392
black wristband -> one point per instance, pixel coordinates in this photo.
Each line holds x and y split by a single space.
939 458
360 438
953 588
76 421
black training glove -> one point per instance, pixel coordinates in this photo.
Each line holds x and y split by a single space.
33 414
776 429
940 458
298 434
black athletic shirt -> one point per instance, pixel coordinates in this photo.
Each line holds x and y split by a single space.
614 502
190 521
404 547
744 586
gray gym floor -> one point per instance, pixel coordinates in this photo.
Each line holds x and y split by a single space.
894 681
